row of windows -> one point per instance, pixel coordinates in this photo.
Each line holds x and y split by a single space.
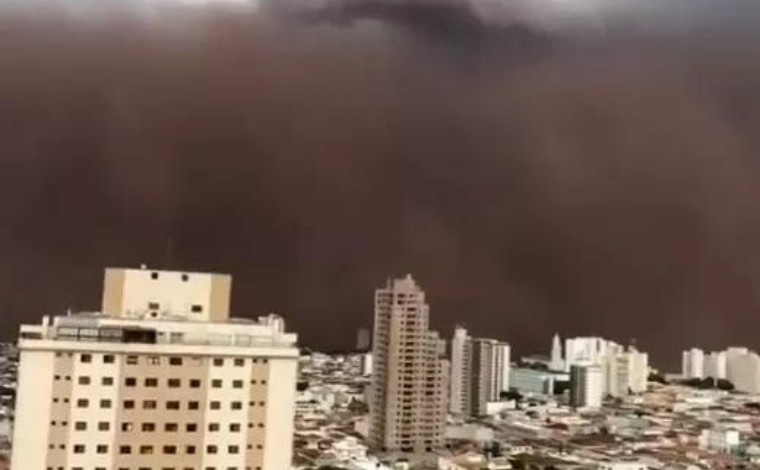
169 405
154 382
158 468
156 360
129 426
150 449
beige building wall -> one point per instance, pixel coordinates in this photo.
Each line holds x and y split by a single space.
155 294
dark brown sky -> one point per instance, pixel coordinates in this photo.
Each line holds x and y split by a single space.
600 180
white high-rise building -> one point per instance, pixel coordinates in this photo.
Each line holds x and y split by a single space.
557 363
693 364
409 381
586 386
459 389
587 350
638 375
366 364
161 375
715 365
744 371
479 372
732 354
625 372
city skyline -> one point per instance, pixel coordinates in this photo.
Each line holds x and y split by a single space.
530 190
349 342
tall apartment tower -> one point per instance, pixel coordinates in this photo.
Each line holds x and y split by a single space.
409 381
586 386
161 378
459 378
557 361
479 372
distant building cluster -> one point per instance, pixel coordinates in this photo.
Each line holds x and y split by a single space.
737 365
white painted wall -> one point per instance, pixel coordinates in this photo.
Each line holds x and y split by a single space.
33 406
281 398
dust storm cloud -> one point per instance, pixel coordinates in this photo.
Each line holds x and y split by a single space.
590 172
